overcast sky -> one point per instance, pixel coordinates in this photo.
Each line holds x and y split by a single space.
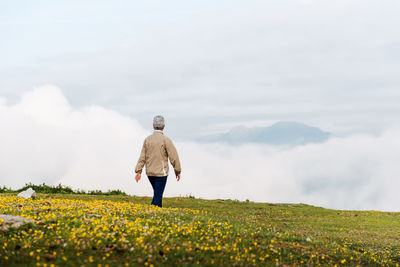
206 66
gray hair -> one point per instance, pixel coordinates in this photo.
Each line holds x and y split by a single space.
158 122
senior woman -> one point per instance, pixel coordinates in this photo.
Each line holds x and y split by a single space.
156 150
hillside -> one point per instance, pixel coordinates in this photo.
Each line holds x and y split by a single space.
75 230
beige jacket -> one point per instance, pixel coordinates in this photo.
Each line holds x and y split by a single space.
156 150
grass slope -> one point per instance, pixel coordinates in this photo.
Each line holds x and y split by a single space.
76 230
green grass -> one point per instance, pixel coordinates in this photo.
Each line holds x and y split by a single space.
88 230
60 189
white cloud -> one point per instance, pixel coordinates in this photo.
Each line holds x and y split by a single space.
357 172
44 139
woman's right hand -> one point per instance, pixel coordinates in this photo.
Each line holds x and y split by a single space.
137 177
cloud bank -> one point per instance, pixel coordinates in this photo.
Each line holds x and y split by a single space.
45 139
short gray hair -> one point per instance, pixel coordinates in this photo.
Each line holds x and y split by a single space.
158 122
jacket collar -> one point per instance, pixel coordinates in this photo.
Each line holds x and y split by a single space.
158 131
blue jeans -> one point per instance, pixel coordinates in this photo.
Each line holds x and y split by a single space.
158 184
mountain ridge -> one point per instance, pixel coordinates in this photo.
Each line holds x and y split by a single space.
279 133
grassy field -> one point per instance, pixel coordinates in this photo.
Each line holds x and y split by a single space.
85 230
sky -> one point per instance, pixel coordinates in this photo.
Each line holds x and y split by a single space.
81 81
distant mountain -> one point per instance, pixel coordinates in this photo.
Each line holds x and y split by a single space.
280 133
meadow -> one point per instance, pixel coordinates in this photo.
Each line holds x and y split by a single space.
118 230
